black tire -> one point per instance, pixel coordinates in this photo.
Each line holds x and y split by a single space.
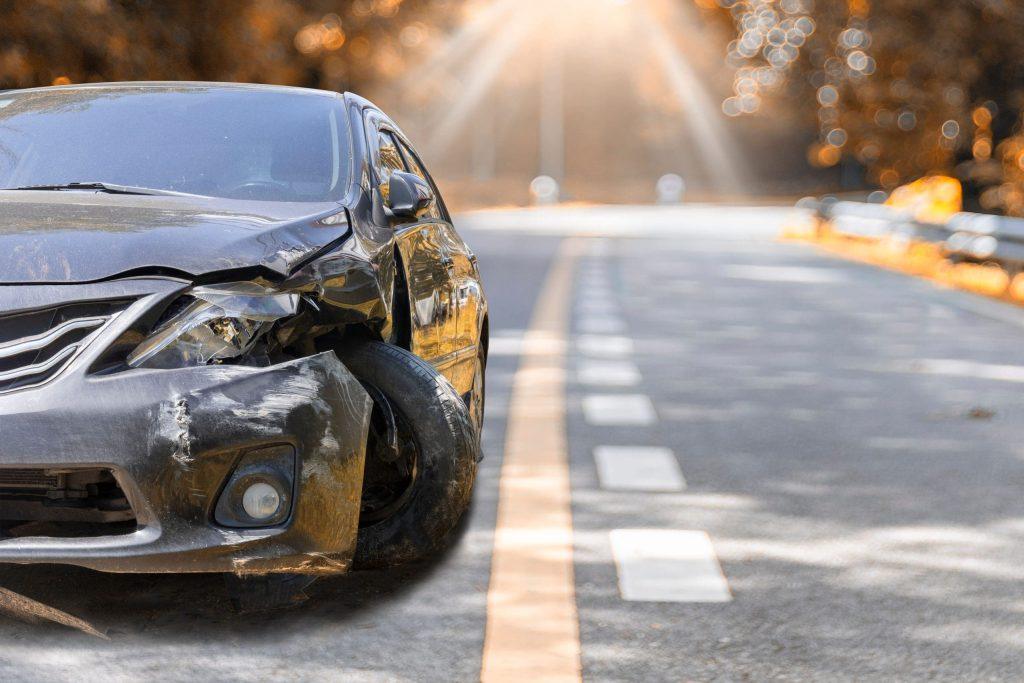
441 482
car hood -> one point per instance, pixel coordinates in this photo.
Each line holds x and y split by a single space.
89 236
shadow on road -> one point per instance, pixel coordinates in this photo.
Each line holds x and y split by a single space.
193 604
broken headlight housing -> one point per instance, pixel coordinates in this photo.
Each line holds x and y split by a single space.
213 323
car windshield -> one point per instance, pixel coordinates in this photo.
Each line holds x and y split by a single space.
240 143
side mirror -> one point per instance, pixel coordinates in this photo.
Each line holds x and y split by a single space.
408 196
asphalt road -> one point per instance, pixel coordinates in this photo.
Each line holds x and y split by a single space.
851 440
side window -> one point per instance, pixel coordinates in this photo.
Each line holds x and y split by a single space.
388 159
414 167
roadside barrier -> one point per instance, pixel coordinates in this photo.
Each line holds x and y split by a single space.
964 237
982 253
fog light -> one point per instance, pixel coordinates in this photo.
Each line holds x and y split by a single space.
260 491
261 501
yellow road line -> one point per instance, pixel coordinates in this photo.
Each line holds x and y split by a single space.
532 627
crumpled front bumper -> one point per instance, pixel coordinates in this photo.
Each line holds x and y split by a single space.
172 439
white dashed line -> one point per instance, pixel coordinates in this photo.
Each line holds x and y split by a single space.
638 468
966 368
505 343
516 342
784 274
612 373
619 410
604 324
596 308
600 279
604 346
592 298
667 565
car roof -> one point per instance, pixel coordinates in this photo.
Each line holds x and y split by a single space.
179 86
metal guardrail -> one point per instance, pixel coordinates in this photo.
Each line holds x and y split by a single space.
973 237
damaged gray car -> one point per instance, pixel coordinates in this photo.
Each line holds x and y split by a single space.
238 333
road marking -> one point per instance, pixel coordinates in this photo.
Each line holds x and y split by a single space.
595 292
595 297
594 286
666 565
596 306
597 277
966 368
618 410
784 274
614 373
598 312
532 625
638 468
505 343
604 346
511 343
605 324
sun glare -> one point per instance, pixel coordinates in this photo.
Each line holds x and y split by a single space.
549 82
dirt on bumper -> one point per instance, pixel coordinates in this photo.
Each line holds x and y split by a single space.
173 438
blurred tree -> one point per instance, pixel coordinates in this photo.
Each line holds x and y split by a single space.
317 43
898 89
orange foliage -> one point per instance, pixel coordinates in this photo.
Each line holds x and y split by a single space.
314 43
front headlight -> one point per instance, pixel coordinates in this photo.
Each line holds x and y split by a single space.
216 322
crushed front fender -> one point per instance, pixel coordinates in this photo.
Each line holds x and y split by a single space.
172 438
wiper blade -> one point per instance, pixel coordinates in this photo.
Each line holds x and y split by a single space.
109 188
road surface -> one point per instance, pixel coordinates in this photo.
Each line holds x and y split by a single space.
780 466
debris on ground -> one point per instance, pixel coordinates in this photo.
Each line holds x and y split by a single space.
32 611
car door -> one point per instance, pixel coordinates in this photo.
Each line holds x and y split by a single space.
422 245
465 276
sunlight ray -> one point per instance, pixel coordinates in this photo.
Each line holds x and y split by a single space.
720 154
481 77
462 42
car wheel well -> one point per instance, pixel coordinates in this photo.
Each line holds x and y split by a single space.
401 320
485 335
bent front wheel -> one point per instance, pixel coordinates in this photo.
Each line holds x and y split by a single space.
421 456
